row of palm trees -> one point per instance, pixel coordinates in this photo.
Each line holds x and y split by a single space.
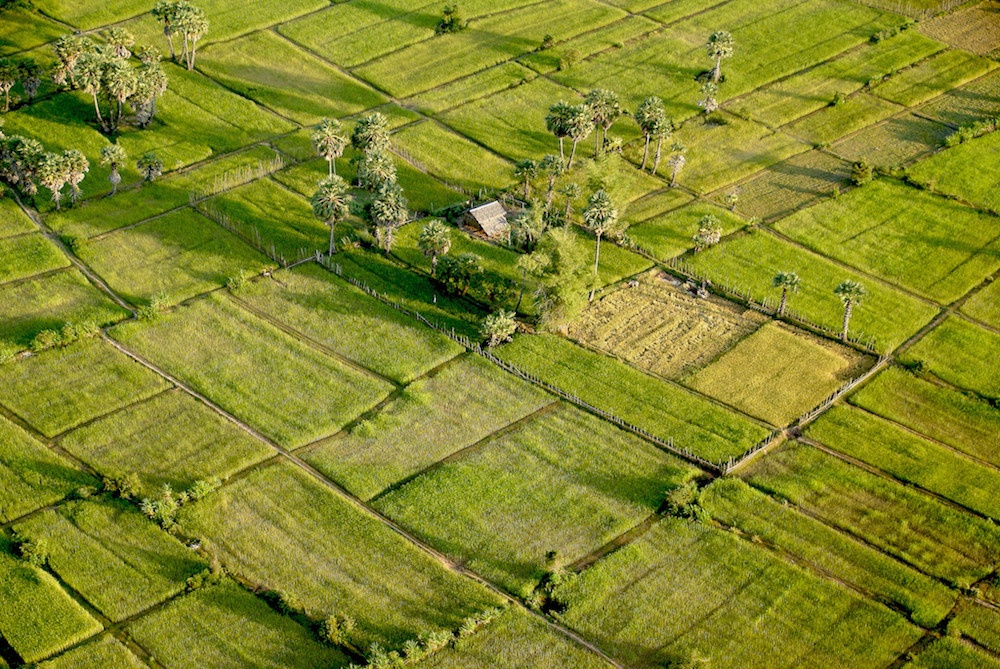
851 293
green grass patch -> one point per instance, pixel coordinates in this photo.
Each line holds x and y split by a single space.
13 221
751 262
62 388
31 475
777 373
170 439
969 424
733 502
107 652
49 302
831 123
23 29
38 618
612 36
933 77
672 233
985 305
957 351
909 525
180 255
895 142
27 255
433 418
790 185
948 653
112 555
446 155
283 529
960 172
283 387
686 587
979 623
664 409
655 204
967 104
475 86
286 78
564 482
226 626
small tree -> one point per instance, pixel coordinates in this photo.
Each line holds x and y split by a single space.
375 169
600 217
113 156
329 142
10 72
526 171
434 241
149 166
651 116
788 282
676 162
77 167
387 212
851 293
331 203
498 328
458 272
605 109
33 551
732 198
451 20
720 46
708 102
709 232
571 191
52 174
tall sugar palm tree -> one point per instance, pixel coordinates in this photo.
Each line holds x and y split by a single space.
571 191
557 122
579 125
662 131
388 211
851 293
166 11
552 167
720 45
650 115
89 73
118 82
113 156
191 23
526 171
68 50
331 203
788 282
371 132
120 42
434 241
605 109
600 217
77 167
676 162
53 175
9 74
329 142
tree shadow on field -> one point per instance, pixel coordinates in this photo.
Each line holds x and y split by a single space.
390 13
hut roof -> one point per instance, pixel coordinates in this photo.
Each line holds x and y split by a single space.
491 217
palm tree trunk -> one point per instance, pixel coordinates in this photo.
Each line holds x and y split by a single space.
784 300
6 100
333 225
597 253
597 142
526 189
170 41
329 168
656 158
548 195
717 72
569 204
97 108
645 153
572 155
562 153
673 177
847 319
520 296
434 264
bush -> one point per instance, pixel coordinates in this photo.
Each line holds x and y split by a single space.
862 172
238 281
682 501
456 273
838 99
201 488
125 486
451 21
33 551
968 133
152 310
569 58
162 509
498 328
337 629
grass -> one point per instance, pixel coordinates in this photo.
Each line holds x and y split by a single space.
831 123
657 203
979 623
38 618
475 88
26 255
672 233
959 172
612 36
180 255
113 555
955 351
733 502
663 328
446 155
31 475
284 78
107 652
967 104
343 318
564 482
752 261
778 373
515 640
666 410
985 305
49 302
947 653
906 236
916 529
282 529
685 587
63 388
895 142
433 418
909 458
790 185
961 421
13 221
932 77
170 439
225 626
281 386
23 29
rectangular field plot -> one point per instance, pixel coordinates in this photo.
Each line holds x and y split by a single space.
734 503
564 482
225 626
968 171
985 305
180 255
753 260
909 237
27 255
284 530
611 36
721 598
170 439
831 123
281 386
107 652
113 555
911 526
432 419
359 327
31 475
897 141
790 185
38 618
666 410
474 88
513 641
657 203
933 77
973 102
13 221
965 423
948 653
979 623
663 328
62 388
672 233
285 78
975 28
49 302
23 29
778 373
962 353
449 156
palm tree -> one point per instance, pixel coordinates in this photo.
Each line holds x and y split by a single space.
605 108
388 211
191 23
375 168
557 122
571 191
120 41
149 166
9 74
650 115
329 142
119 82
709 232
77 167
31 77
371 132
720 45
788 282
600 217
552 167
676 162
89 72
68 50
150 83
661 131
434 241
331 203
113 156
166 12
53 175
579 125
851 293
526 171
709 89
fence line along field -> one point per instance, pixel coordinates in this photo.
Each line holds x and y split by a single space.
716 390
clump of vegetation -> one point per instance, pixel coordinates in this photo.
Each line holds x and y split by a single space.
682 502
337 629
210 576
152 309
839 99
498 328
124 486
163 508
238 281
34 551
709 233
862 172
68 334
149 166
183 18
888 33
568 59
967 133
451 21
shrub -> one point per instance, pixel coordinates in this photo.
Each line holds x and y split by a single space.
968 133
153 309
125 486
201 488
839 98
547 42
498 328
162 509
45 339
337 629
862 172
451 21
33 551
237 282
569 58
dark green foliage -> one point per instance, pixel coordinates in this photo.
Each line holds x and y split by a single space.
451 21
862 172
125 486
34 551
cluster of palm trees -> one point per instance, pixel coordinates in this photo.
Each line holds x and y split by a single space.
184 19
376 173
851 293
24 70
24 163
